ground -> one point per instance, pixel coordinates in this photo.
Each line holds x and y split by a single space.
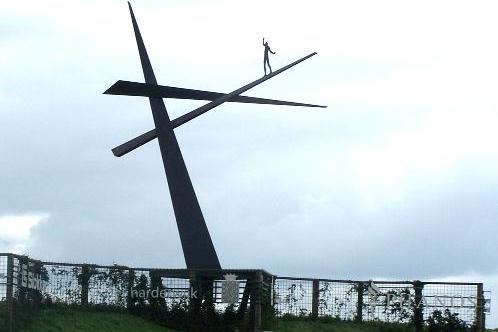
58 320
339 326
70 320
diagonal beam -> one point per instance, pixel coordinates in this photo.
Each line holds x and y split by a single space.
203 109
127 88
134 143
198 249
138 141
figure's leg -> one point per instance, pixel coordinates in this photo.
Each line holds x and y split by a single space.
269 65
264 64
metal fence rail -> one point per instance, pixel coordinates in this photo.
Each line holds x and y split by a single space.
24 281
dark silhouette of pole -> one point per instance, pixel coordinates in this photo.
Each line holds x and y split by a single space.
197 246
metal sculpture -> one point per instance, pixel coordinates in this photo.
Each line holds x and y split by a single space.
198 248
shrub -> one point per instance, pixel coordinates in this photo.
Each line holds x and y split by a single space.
446 322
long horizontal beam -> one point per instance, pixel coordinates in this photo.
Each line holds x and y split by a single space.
127 88
138 141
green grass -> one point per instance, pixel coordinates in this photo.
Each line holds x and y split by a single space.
67 320
339 326
331 325
74 320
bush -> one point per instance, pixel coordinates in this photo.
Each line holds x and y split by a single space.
447 322
4 317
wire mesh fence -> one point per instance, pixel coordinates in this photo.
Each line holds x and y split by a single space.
337 299
393 302
459 298
3 278
32 284
26 285
64 285
387 301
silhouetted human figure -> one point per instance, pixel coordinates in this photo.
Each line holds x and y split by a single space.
266 59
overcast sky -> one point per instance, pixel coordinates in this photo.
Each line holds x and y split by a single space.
397 178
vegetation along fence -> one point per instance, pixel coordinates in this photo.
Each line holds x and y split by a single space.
248 299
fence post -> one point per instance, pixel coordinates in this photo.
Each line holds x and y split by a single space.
256 297
359 302
418 311
479 322
315 298
131 283
195 296
85 278
10 291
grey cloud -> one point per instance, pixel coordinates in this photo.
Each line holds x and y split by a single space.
271 181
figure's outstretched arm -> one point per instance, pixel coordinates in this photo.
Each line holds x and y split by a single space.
272 52
263 40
